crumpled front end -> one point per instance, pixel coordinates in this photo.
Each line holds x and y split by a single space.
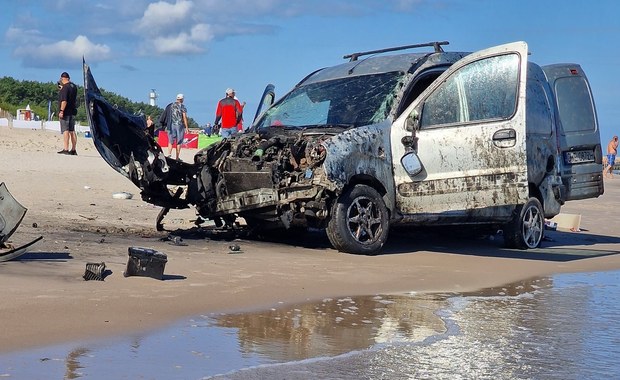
275 176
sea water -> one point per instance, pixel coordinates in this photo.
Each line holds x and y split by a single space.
559 327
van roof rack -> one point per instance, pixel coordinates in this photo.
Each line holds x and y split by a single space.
436 45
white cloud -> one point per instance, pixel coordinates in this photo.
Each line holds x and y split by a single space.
162 27
162 16
21 36
62 52
201 32
182 43
172 29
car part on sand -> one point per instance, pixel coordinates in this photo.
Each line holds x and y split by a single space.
11 215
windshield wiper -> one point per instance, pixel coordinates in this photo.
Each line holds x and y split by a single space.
326 126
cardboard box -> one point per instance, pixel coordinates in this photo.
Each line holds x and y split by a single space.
567 222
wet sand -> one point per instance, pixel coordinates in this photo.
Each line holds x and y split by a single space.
45 300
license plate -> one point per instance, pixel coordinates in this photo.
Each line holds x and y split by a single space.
579 156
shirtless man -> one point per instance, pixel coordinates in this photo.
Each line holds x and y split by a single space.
612 151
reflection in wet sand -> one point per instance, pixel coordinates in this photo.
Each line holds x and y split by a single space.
335 326
537 329
73 363
544 328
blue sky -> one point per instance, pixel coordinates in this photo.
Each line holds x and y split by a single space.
201 47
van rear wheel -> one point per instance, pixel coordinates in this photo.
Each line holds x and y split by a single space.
359 221
526 229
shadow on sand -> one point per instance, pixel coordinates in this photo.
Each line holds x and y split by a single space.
556 246
45 256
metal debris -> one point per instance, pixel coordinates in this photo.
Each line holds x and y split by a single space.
94 271
235 248
11 215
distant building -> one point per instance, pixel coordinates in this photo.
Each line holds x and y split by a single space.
26 114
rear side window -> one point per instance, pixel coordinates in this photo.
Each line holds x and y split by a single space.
538 109
575 104
483 90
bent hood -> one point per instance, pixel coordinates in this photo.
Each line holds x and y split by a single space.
121 139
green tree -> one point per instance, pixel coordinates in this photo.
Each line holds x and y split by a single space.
15 94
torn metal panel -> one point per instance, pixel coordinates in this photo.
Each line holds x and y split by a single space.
553 195
11 215
15 252
251 199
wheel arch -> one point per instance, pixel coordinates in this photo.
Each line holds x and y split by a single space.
534 192
368 180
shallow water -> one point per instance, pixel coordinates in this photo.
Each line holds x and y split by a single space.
561 327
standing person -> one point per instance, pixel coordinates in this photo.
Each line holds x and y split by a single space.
67 109
150 126
208 130
178 125
612 151
230 112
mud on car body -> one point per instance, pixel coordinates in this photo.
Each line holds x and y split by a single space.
433 138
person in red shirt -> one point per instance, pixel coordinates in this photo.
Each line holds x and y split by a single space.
230 112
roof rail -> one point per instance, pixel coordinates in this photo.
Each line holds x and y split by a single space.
436 45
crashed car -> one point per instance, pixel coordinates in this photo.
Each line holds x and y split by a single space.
414 139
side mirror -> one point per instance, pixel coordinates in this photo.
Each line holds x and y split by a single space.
413 121
411 163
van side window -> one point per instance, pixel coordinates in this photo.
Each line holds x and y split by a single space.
483 90
538 109
575 104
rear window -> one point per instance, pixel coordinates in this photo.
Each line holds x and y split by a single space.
575 104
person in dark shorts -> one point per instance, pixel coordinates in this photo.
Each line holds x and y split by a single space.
67 109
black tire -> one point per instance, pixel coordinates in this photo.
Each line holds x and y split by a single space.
526 229
359 221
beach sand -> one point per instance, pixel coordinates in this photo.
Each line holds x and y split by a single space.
44 299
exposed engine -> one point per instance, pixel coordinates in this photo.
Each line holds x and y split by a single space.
271 176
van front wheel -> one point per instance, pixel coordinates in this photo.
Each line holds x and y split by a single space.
359 221
526 229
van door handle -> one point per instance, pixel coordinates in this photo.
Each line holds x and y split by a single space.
505 138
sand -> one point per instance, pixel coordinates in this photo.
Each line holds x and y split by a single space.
44 299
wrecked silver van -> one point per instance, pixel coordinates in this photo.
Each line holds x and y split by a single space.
420 139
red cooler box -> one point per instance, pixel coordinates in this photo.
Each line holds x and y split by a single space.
191 140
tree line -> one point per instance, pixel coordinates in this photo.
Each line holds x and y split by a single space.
17 94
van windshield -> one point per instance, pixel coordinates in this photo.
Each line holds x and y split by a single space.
345 102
